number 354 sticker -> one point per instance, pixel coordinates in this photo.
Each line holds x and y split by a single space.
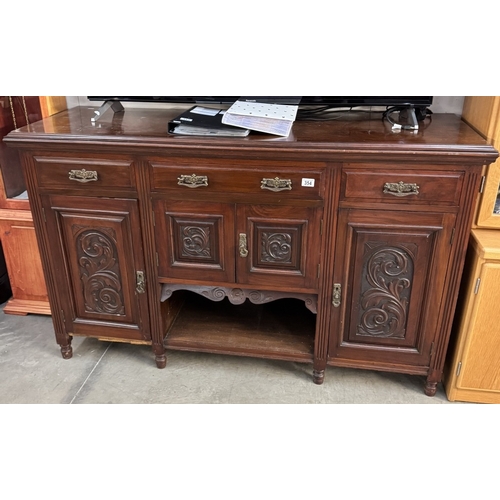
308 183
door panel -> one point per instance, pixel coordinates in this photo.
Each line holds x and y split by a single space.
390 285
481 357
195 240
278 246
98 259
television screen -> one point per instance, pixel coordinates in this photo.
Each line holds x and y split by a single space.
333 101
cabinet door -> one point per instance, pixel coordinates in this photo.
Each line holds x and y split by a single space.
488 215
389 276
278 246
195 240
480 362
98 264
29 293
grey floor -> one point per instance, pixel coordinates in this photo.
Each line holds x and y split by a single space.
33 371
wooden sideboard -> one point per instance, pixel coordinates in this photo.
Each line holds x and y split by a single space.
340 245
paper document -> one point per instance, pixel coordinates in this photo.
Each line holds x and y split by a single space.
269 118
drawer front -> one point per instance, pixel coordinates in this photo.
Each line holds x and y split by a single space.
402 186
267 179
84 173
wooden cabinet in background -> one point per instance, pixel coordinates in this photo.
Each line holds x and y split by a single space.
5 290
472 367
483 114
473 371
341 245
17 233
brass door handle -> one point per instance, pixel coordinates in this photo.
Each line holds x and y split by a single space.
192 181
243 245
337 295
82 175
140 282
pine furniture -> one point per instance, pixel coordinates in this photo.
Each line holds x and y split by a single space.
17 233
472 369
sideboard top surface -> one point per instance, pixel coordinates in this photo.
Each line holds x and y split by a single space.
441 135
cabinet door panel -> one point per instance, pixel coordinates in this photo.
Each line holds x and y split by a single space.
481 357
282 245
23 260
195 240
391 285
98 258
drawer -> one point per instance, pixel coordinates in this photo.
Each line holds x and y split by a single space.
84 173
267 179
401 186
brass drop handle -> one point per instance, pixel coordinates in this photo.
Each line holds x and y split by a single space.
140 282
243 245
82 175
401 188
276 184
192 181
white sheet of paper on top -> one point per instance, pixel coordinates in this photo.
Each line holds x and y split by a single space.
200 110
269 118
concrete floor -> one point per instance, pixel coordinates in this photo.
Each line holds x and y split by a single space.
33 371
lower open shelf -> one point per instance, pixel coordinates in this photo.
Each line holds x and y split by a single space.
283 329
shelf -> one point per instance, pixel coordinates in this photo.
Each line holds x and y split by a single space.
283 329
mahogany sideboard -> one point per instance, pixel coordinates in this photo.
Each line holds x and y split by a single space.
342 244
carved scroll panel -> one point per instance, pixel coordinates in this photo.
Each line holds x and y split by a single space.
279 247
195 241
385 291
99 255
99 269
390 280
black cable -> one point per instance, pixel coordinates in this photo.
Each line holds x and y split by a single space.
393 109
325 113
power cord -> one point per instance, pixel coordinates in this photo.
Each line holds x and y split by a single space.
413 114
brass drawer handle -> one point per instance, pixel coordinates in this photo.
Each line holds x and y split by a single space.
276 184
82 175
401 188
192 181
243 245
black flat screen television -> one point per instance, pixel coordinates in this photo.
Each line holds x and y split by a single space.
331 101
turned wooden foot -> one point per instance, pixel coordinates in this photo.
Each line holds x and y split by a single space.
432 381
160 355
161 360
430 388
318 376
67 351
